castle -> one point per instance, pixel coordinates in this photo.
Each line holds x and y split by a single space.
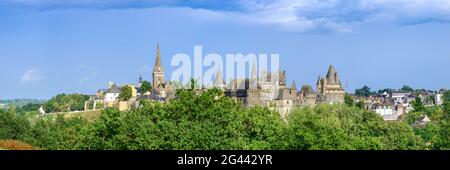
269 89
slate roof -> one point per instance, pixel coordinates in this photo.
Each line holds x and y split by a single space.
283 94
332 76
114 89
307 89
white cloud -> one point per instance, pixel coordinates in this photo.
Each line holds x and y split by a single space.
32 75
327 15
288 15
341 15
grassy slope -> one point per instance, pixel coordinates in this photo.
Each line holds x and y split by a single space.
88 115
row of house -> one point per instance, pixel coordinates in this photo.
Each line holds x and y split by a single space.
393 105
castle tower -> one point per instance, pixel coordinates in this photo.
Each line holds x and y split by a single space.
293 89
219 82
158 71
282 79
329 89
321 83
307 96
332 76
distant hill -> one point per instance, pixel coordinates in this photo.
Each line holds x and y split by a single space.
20 102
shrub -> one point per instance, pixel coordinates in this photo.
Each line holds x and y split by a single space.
15 145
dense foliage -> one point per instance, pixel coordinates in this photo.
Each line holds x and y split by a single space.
406 88
146 87
436 134
13 125
66 103
363 92
210 121
348 100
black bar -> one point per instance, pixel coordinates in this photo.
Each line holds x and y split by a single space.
278 159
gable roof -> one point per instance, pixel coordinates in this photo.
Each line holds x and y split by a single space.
114 89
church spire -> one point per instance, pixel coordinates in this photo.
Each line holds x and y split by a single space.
158 71
158 66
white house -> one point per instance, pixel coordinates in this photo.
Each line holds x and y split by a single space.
438 99
400 97
112 93
388 112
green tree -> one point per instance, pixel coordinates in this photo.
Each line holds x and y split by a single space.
418 105
406 88
446 104
146 87
363 92
328 127
210 121
388 90
348 99
360 104
192 84
30 107
12 125
66 103
58 133
125 93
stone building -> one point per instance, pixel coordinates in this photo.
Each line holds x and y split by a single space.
329 89
270 90
306 96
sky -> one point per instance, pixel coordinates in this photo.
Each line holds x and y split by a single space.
49 47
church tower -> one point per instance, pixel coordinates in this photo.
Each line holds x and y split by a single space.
158 71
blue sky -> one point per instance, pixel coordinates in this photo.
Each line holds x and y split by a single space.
53 46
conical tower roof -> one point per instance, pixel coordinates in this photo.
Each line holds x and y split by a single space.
158 66
293 86
318 80
219 77
331 75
